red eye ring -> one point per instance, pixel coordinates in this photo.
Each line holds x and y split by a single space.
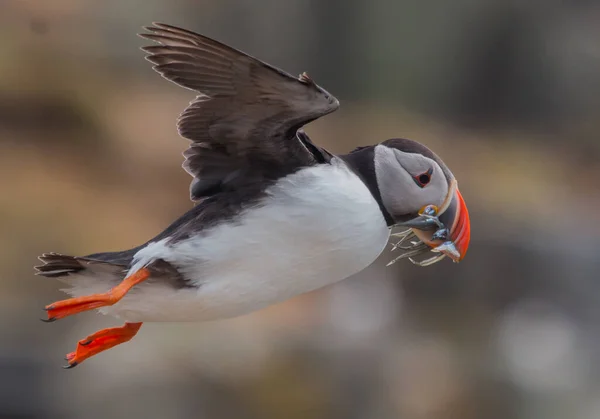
423 179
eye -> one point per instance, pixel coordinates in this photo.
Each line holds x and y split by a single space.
423 179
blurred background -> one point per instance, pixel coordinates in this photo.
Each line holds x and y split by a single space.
507 92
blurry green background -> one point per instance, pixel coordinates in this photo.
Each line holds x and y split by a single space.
507 92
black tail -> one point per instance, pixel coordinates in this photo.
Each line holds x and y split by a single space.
57 265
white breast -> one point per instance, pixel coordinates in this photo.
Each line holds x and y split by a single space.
316 227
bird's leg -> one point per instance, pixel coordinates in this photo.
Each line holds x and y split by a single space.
71 306
101 341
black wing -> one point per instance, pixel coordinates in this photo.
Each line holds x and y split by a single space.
244 121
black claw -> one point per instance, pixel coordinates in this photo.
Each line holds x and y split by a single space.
85 343
49 308
50 320
73 365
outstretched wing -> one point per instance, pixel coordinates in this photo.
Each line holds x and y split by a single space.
245 119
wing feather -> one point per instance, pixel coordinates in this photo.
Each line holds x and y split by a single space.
246 114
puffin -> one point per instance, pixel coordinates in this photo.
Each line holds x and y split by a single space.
274 215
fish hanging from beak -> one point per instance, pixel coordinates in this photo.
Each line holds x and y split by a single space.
445 230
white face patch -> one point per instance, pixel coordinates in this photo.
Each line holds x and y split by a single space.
401 195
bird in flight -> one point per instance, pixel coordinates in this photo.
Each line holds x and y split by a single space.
274 214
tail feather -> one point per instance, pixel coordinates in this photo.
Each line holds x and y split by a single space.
83 275
56 265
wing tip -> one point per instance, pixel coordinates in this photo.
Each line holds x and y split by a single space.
150 30
154 25
157 27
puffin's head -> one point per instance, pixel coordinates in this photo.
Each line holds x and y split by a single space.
419 192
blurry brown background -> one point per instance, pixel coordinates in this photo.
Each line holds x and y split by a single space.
507 92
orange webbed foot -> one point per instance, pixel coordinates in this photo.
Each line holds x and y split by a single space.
101 341
71 306
65 308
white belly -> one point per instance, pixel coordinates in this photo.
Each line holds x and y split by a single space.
317 226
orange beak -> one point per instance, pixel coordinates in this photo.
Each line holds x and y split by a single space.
456 219
457 216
